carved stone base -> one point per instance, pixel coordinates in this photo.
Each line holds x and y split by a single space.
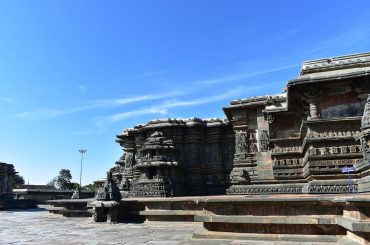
265 189
331 186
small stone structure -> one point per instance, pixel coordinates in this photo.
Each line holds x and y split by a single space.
294 142
107 204
7 200
6 191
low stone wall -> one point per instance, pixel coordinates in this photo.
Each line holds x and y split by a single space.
44 195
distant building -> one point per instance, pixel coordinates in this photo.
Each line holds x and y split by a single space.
43 193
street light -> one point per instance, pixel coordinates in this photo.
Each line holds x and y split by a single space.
82 151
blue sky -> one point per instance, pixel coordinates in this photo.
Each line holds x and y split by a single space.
76 73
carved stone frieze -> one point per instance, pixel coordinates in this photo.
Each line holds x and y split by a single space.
332 188
333 150
286 149
264 189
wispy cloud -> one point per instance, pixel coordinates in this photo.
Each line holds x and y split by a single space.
163 108
240 76
128 100
103 121
47 113
164 101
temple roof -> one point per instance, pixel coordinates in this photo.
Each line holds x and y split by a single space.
174 122
336 68
272 103
336 63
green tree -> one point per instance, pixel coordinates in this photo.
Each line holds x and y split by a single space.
52 182
90 187
17 180
63 180
73 185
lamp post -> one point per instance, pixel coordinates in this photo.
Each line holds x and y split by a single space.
82 151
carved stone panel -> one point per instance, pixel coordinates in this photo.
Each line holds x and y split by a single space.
241 144
264 140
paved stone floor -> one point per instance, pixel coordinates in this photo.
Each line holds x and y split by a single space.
39 227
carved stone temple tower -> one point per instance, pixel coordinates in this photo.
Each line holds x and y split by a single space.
176 157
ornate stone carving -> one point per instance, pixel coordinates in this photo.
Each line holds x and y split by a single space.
365 145
269 117
241 145
109 191
365 122
129 160
332 188
264 140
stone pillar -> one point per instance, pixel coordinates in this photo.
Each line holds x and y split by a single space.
263 156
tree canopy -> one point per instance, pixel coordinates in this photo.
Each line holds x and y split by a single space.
63 180
17 180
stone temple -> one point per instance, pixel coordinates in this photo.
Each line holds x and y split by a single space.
295 142
290 168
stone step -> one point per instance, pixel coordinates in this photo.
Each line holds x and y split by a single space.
158 212
249 219
256 237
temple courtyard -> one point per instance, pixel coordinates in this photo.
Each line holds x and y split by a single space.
37 226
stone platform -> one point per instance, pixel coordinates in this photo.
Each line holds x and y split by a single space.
71 207
291 218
